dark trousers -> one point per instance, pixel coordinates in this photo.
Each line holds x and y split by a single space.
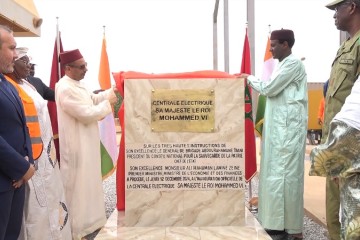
11 213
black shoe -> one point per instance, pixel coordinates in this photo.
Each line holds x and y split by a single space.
294 238
275 232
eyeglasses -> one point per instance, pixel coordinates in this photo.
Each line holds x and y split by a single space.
81 67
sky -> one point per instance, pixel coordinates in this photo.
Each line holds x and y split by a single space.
168 36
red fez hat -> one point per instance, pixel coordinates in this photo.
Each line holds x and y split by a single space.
70 56
282 34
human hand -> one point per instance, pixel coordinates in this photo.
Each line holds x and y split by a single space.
112 101
115 89
319 121
29 173
244 75
17 184
336 180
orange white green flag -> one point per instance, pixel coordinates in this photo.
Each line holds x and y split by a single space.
108 146
269 65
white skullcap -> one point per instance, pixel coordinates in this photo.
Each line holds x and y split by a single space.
21 52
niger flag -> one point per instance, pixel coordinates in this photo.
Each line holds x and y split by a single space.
108 146
269 65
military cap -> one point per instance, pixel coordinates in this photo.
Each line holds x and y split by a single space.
333 4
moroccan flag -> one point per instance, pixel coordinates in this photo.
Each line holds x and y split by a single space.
250 147
56 74
108 147
269 65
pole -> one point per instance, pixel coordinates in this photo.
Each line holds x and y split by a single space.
215 42
58 46
250 15
251 31
226 35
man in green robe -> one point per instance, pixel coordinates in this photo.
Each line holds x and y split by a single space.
281 187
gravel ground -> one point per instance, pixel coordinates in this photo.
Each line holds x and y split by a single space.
312 230
109 185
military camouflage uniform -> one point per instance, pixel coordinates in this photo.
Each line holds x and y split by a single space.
344 72
339 157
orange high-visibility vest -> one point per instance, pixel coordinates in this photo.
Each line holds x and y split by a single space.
32 120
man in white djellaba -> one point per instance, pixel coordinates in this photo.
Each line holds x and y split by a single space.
45 210
78 112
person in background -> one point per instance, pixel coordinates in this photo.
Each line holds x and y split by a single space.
281 184
320 116
46 92
16 161
344 71
79 111
322 104
45 211
339 157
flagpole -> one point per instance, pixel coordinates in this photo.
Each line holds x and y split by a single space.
226 36
58 46
249 183
250 17
215 40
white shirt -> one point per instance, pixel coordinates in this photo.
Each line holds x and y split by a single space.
350 111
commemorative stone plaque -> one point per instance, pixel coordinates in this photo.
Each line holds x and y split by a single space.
184 159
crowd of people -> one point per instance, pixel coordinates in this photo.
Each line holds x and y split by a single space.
40 200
